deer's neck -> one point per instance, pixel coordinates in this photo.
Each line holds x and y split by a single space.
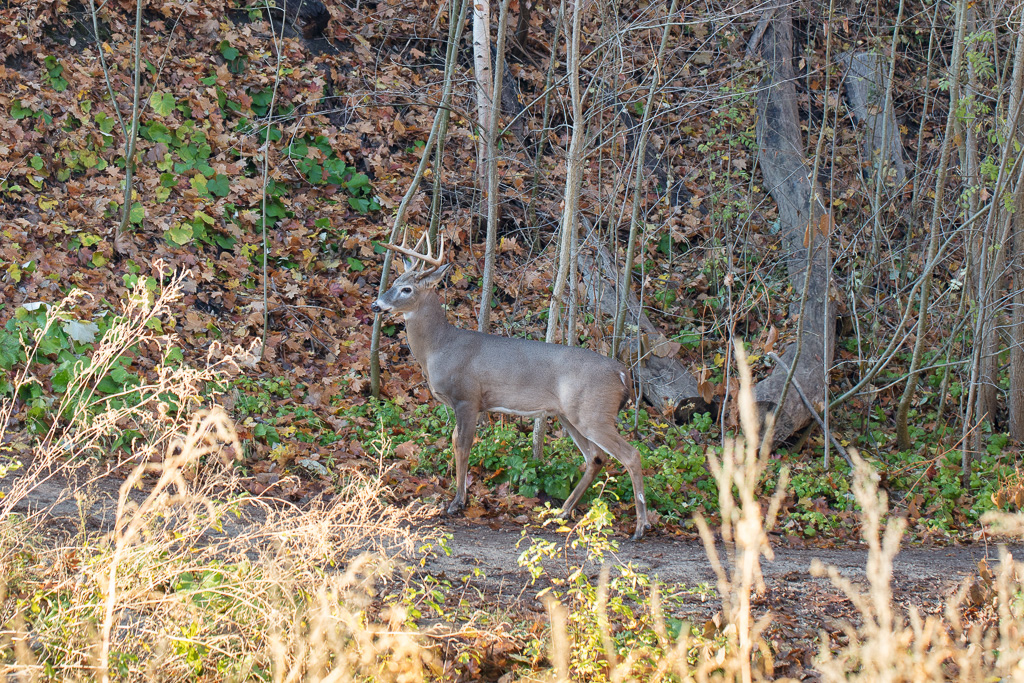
426 329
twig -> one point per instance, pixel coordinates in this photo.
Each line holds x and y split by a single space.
641 152
266 174
129 161
399 224
755 37
491 134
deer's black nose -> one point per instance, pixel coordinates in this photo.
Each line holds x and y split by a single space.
375 307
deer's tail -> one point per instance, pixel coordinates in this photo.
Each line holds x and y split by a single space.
628 388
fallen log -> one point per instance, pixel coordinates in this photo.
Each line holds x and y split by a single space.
664 381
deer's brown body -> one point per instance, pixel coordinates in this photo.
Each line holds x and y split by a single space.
473 373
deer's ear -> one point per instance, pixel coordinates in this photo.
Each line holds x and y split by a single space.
431 278
407 264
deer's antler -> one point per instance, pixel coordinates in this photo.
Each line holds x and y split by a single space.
414 253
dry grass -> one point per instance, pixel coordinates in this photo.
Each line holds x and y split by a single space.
196 582
193 579
890 646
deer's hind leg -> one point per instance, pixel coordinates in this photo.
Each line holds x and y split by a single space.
608 439
595 460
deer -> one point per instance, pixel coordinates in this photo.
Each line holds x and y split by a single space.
473 373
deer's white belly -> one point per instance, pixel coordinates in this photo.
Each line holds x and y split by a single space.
520 413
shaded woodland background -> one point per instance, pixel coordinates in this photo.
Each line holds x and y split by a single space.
836 186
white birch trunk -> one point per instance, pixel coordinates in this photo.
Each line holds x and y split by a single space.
484 77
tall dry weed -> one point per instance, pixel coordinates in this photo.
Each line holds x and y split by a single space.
738 653
744 533
890 644
83 420
195 579
887 643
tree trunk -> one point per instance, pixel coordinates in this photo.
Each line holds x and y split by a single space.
570 215
805 228
483 76
866 87
493 198
1016 397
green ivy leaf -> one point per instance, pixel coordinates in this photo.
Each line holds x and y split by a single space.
199 184
227 52
162 103
137 213
355 264
105 123
180 234
18 111
81 332
107 385
358 182
157 132
10 350
225 242
219 185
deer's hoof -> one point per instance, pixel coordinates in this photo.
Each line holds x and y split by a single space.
640 529
456 507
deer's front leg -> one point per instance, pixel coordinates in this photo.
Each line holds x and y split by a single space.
462 443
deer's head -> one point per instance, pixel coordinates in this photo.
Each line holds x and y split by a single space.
422 273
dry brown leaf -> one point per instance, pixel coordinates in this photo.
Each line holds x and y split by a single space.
825 224
407 450
666 349
707 391
769 343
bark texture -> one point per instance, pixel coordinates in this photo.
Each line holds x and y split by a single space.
866 82
1016 397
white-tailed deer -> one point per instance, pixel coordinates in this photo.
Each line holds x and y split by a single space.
473 372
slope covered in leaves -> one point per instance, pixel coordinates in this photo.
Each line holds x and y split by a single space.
249 145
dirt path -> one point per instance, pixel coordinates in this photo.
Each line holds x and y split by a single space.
802 606
931 573
483 567
495 548
478 545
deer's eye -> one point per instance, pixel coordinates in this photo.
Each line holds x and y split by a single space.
406 290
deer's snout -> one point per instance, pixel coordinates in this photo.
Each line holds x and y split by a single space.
379 307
